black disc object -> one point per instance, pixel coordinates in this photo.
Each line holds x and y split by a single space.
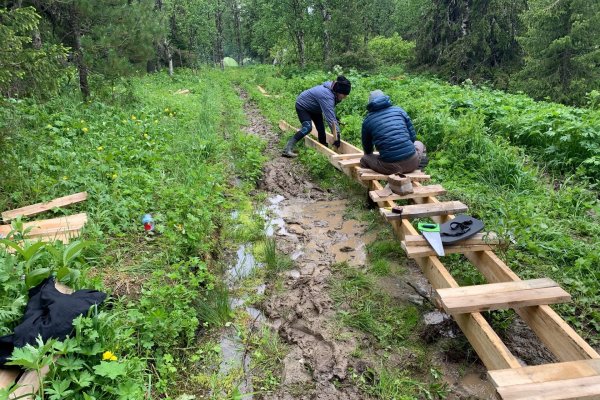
460 228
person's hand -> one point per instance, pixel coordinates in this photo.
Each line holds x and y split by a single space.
337 143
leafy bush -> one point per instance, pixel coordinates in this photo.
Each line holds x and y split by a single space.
392 50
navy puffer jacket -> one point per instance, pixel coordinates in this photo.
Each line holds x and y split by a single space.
389 128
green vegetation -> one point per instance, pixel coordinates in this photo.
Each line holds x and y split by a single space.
173 155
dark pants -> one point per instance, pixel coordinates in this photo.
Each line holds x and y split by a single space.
398 167
306 119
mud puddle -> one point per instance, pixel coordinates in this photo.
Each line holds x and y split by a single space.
309 225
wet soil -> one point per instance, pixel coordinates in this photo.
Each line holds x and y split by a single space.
311 228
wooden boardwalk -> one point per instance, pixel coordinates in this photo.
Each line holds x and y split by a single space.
575 376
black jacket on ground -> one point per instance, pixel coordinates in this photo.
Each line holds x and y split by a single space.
49 313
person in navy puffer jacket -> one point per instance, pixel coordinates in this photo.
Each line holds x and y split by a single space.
389 129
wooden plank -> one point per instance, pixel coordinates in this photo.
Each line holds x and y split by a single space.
7 378
284 126
560 338
366 174
349 156
43 207
418 191
544 373
29 384
50 226
261 89
353 162
496 296
427 250
477 239
497 288
425 210
577 388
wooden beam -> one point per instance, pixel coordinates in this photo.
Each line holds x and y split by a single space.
418 191
7 378
427 250
43 207
477 239
496 296
50 226
425 210
564 389
366 174
560 338
545 373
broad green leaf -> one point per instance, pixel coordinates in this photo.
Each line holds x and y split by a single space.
110 369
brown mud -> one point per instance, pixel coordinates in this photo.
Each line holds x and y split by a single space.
315 234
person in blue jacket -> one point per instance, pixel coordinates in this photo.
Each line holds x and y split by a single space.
312 104
388 128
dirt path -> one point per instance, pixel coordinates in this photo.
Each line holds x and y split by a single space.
314 232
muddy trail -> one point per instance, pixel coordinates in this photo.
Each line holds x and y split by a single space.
314 232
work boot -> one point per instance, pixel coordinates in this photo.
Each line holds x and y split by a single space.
287 152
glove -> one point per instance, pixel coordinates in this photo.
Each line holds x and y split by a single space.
337 143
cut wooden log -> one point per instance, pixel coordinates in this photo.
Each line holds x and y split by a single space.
496 296
366 174
50 227
566 380
43 207
425 210
418 191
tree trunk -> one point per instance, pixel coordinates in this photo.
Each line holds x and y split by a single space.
237 25
301 48
79 61
169 57
219 39
326 35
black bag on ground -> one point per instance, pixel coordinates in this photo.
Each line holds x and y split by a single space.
49 313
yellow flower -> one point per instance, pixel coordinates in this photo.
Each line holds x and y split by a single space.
133 117
109 356
170 114
114 176
100 148
146 135
65 178
85 130
166 110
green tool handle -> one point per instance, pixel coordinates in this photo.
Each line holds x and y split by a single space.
428 227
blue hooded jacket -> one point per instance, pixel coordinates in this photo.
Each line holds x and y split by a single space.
389 128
